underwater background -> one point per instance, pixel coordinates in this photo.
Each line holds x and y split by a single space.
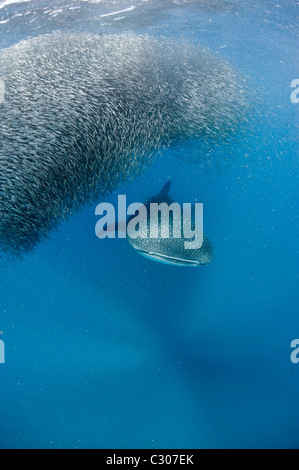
106 349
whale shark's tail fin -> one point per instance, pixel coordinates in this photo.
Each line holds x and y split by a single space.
166 188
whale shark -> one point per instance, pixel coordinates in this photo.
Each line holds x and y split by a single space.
170 250
152 243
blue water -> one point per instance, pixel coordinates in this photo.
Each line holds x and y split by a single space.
106 349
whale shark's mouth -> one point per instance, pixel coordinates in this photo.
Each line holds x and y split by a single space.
168 259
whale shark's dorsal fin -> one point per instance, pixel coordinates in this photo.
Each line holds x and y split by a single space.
166 188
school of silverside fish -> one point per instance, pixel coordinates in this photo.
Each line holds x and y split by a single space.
85 112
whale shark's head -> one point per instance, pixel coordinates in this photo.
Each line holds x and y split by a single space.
173 253
171 249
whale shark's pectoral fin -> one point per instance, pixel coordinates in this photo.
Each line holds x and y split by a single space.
112 228
166 188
